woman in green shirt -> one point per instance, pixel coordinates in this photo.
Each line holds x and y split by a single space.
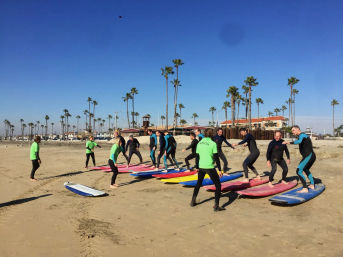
90 150
34 157
115 150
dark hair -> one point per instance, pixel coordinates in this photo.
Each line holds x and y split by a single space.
37 138
192 134
131 136
150 130
197 130
242 129
219 129
296 126
277 131
208 132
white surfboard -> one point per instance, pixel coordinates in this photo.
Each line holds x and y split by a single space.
83 190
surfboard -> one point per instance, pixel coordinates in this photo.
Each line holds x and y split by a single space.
147 174
267 190
175 175
238 185
181 179
83 190
293 197
209 181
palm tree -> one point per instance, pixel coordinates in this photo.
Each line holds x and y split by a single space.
67 117
24 126
46 124
295 92
116 118
85 112
226 105
181 106
31 129
89 100
177 117
98 120
62 125
162 118
258 101
333 103
194 115
136 114
176 83
12 130
212 110
246 91
283 109
52 128
22 129
183 122
291 82
94 104
133 92
37 125
238 100
232 93
109 121
165 73
250 82
74 127
42 127
78 117
7 128
276 110
270 113
126 99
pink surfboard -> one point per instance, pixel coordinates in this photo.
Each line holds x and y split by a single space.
238 185
267 190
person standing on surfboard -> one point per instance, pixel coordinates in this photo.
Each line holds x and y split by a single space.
170 150
115 150
90 144
34 157
275 157
133 146
161 150
309 157
249 140
122 143
219 139
199 134
207 150
153 146
193 155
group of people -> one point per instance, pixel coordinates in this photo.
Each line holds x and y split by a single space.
207 151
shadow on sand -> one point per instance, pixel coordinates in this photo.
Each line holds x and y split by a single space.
20 201
73 173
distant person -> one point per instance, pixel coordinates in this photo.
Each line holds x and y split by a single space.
275 151
219 139
115 150
207 150
122 143
90 145
34 157
199 134
133 146
170 150
193 154
249 140
309 157
162 144
152 146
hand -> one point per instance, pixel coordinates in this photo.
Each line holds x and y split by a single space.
244 145
268 163
234 144
285 143
39 161
116 164
154 148
220 174
288 161
183 150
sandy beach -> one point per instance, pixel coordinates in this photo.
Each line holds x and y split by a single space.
149 218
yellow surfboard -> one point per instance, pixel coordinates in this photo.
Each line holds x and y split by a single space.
181 179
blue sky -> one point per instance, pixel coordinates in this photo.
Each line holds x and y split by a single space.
54 54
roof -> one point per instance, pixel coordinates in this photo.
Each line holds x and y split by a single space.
130 130
195 127
253 120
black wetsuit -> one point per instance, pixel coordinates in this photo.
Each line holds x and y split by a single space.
219 141
153 147
122 146
133 146
162 143
252 157
170 150
193 155
275 156
35 166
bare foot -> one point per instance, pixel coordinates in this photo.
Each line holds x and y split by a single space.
258 177
187 170
114 186
270 184
304 190
246 180
311 187
284 182
33 179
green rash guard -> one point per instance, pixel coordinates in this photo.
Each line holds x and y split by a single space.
34 151
115 150
206 148
90 146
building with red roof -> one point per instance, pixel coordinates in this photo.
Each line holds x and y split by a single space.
268 123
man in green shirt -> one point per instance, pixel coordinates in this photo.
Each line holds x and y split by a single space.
34 157
207 151
115 150
90 144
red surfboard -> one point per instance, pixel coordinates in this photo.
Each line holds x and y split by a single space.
267 190
175 175
238 185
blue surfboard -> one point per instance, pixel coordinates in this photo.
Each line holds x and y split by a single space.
208 181
83 190
293 197
149 174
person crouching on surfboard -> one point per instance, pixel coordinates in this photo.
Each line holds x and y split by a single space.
115 150
207 151
193 155
34 157
90 145
309 157
275 157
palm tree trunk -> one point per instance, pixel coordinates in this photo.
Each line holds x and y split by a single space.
246 106
225 114
333 120
167 104
127 112
250 108
238 111
232 111
258 110
294 109
93 116
133 110
291 105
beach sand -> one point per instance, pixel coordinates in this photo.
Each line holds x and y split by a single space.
149 218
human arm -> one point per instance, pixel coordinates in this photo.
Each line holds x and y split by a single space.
227 143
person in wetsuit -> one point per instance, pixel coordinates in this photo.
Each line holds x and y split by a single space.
133 146
162 144
219 139
192 155
90 145
152 146
249 140
122 143
275 157
34 157
115 150
309 157
199 134
170 150
207 150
